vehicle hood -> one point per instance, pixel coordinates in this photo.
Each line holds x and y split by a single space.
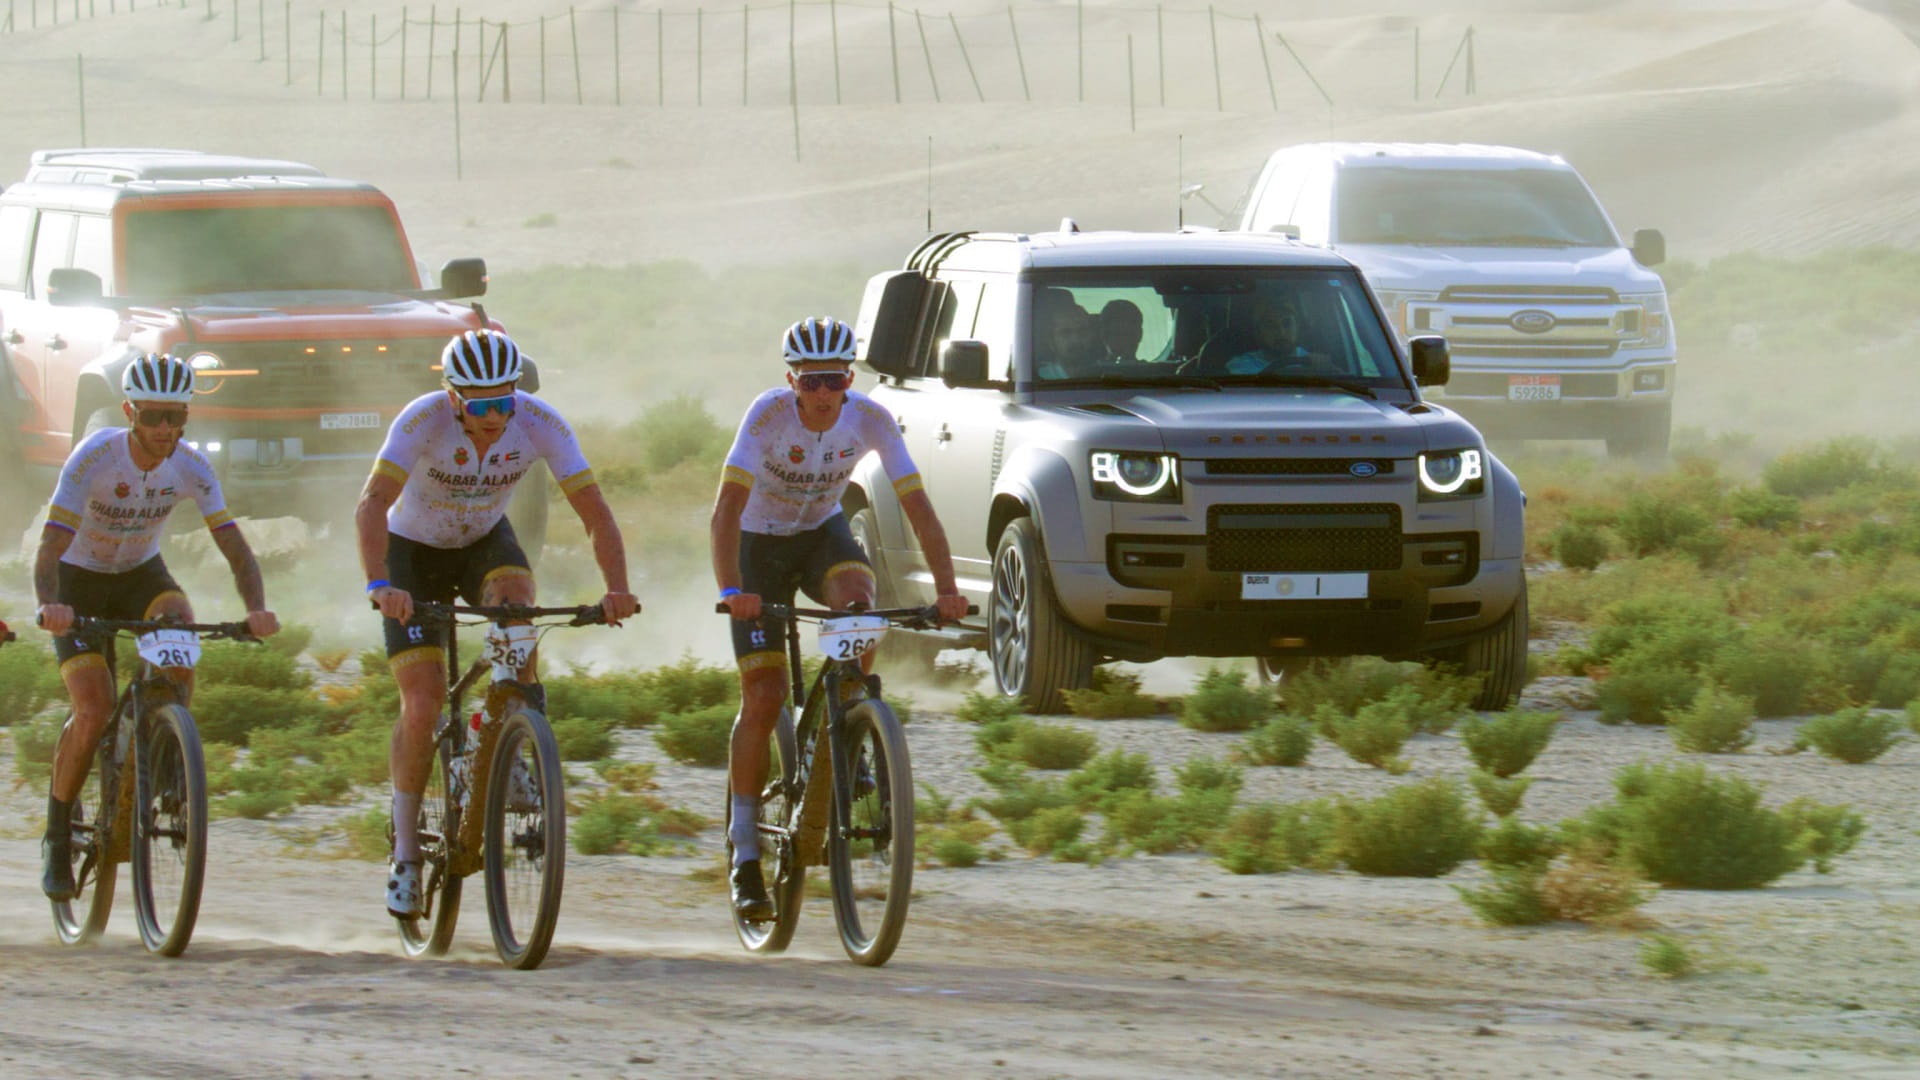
1423 269
1253 423
326 315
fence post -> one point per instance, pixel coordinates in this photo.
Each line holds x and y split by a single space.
1282 39
320 59
259 17
745 26
1133 118
1260 32
573 27
459 166
1473 87
1416 63
543 59
1019 57
403 54
1213 34
979 93
616 56
920 22
433 31
893 50
506 65
833 25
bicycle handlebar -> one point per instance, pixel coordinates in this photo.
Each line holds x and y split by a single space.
579 615
231 631
913 617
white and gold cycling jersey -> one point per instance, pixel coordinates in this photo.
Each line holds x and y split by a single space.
452 495
795 477
117 511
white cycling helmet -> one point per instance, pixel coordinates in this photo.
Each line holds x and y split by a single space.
480 358
821 339
158 377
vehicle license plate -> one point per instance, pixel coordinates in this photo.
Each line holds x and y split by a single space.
1303 586
346 421
1533 388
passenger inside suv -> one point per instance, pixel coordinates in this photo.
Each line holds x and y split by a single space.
1121 328
1265 332
1069 345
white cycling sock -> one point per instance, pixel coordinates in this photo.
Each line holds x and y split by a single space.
743 831
406 827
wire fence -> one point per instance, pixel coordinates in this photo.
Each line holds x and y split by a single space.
815 53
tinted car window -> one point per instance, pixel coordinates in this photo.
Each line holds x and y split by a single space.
177 252
1466 207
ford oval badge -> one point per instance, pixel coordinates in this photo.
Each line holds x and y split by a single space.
1363 468
1533 321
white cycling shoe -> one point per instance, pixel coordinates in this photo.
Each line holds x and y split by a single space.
403 890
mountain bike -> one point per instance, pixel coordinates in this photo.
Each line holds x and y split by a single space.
840 774
506 754
145 799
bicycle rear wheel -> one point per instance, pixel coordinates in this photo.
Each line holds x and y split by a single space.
526 839
82 919
169 830
870 847
785 874
431 932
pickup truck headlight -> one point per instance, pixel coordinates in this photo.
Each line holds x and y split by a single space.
1396 301
1642 321
1452 474
1133 476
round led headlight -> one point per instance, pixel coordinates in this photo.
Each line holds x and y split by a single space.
1450 472
203 361
1140 475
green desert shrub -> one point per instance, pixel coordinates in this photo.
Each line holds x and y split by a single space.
1824 469
1345 685
1650 524
33 744
1718 722
1285 739
1422 829
292 639
1514 843
1017 794
228 663
29 682
1571 890
1639 690
1222 701
1667 956
958 843
1505 744
979 708
1855 735
1511 897
1109 776
1761 509
1375 734
1050 746
1825 831
1783 672
1683 827
619 698
1500 795
697 737
585 738
1267 838
1051 831
232 712
1114 694
365 834
1580 545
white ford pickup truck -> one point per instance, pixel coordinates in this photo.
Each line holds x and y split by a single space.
1557 329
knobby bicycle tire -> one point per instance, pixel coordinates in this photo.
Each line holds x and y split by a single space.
870 846
526 839
96 873
431 934
785 874
169 829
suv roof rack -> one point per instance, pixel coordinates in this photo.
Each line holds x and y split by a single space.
122 165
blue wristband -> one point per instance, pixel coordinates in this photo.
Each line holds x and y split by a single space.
729 591
383 583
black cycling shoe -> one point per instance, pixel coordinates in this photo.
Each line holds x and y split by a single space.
56 880
750 900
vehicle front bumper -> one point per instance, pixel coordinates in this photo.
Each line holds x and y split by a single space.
1592 403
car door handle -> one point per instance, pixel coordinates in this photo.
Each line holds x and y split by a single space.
56 343
944 435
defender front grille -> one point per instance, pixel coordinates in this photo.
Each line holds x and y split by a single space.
1311 537
1295 466
345 373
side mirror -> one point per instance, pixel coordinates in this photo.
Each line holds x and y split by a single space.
464 277
1649 247
963 363
72 287
1292 231
1431 364
889 322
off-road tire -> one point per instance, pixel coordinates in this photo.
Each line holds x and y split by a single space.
169 830
81 920
1035 653
526 851
431 933
785 874
1498 655
870 846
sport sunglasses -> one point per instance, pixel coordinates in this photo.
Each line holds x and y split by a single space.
482 406
824 380
156 417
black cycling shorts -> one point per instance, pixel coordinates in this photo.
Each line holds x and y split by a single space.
436 575
129 594
773 567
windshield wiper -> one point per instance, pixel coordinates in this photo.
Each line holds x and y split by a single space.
1197 382
1522 240
1318 382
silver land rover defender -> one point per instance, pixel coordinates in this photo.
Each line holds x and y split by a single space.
1196 444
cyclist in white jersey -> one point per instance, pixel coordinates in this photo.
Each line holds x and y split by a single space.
99 557
777 526
432 523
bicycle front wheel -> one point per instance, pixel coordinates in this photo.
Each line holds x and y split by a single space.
169 830
431 932
780 866
870 847
526 839
82 919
